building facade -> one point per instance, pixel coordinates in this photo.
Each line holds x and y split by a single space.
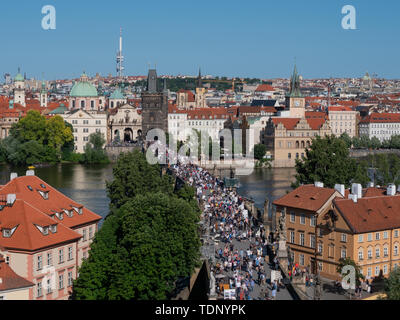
343 120
380 125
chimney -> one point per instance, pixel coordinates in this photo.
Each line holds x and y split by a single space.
11 199
319 184
391 190
356 189
353 197
370 184
13 175
340 188
30 173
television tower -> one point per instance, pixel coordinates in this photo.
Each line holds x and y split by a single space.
120 58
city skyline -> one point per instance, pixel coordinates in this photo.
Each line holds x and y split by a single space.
214 37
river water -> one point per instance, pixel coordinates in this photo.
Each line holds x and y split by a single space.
87 184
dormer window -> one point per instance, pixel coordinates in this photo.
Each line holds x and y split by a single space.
78 210
43 186
7 233
44 194
53 228
43 230
30 188
60 215
69 213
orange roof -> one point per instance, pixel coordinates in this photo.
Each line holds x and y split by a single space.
307 197
265 87
382 118
370 214
25 218
10 280
57 202
340 108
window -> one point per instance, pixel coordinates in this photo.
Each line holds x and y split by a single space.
98 121
369 272
84 235
301 259
377 252
396 250
343 253
302 239
385 235
377 236
39 292
369 253
396 233
360 254
320 248
360 238
313 221
85 130
61 256
369 236
291 236
343 237
292 217
69 253
85 121
312 240
385 269
70 280
49 286
39 263
320 266
60 281
49 259
90 232
376 271
302 219
289 156
385 252
85 139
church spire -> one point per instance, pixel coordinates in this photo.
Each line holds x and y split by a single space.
294 90
199 80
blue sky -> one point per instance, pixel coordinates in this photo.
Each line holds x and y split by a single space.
253 38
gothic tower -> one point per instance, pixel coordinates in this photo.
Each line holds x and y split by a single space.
154 106
295 101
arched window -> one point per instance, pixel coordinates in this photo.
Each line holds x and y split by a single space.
297 144
83 104
377 252
360 254
302 145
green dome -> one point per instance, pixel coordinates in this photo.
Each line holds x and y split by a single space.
19 77
83 89
117 94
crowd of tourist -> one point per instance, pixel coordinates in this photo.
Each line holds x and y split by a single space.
242 250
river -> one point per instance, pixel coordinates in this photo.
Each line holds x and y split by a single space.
87 184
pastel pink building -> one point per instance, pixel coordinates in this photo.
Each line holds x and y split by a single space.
44 235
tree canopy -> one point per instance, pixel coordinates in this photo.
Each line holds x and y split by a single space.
149 240
327 160
392 285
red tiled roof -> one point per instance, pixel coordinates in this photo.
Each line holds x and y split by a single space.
370 214
9 279
265 87
340 108
56 202
307 197
381 118
27 236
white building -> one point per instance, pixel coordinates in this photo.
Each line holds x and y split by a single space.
380 125
85 123
343 120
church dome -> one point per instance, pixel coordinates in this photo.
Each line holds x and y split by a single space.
19 77
83 88
117 94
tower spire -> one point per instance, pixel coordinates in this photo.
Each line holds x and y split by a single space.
120 57
199 80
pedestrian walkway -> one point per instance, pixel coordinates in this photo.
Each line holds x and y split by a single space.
238 240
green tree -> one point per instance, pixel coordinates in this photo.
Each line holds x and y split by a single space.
30 128
349 262
375 143
260 151
94 151
57 133
327 160
133 175
346 138
392 285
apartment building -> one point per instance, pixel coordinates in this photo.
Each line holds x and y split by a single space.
380 125
85 123
44 235
330 224
343 119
